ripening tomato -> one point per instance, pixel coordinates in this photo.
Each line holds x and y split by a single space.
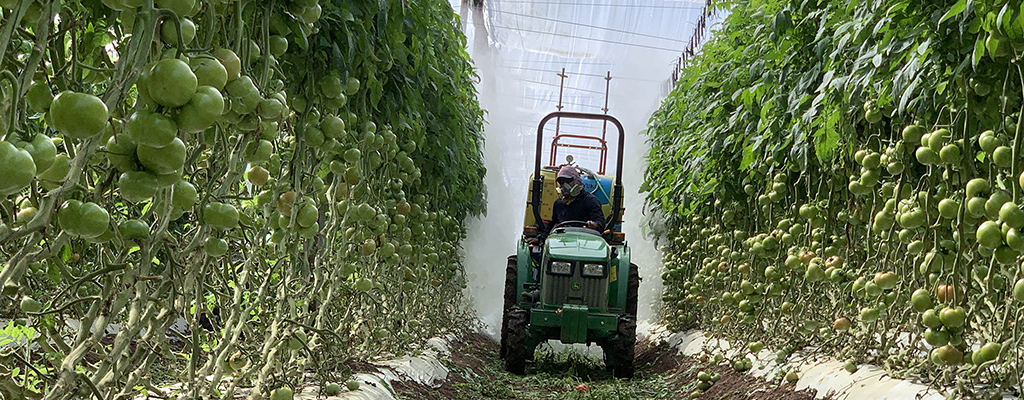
78 115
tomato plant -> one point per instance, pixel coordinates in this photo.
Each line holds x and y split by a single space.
885 134
187 169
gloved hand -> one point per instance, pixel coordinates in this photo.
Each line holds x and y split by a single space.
533 241
592 225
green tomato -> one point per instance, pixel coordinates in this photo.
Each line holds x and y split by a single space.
16 169
202 111
953 317
93 220
163 160
134 229
311 14
209 72
332 126
332 389
307 215
278 45
331 87
171 83
30 305
169 33
39 96
185 195
232 64
282 393
352 86
121 153
78 115
259 152
42 150
137 186
352 155
151 129
245 96
57 172
180 7
215 247
220 215
270 109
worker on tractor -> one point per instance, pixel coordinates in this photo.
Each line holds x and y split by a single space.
573 203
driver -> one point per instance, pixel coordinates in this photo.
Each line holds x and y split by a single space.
574 203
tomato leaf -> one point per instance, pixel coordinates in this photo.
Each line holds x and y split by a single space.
957 8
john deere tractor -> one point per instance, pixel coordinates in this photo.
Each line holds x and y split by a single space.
579 285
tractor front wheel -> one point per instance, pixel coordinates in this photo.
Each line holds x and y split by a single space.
511 277
619 353
516 335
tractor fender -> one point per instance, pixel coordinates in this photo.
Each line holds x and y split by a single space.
622 275
522 266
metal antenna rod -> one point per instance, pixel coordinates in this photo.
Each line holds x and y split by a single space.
604 129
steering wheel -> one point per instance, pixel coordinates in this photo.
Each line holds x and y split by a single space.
575 224
570 224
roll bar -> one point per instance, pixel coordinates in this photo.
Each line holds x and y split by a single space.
535 198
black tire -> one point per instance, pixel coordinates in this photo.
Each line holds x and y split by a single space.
511 278
619 353
619 356
632 290
518 334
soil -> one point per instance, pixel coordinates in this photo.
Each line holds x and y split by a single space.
476 372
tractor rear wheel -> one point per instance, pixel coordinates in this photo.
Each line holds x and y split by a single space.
518 334
511 277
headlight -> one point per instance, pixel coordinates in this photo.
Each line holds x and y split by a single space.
561 267
593 270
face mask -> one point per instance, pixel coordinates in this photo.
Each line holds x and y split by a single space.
567 189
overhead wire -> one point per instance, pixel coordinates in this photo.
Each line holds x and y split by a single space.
587 38
582 74
632 6
593 26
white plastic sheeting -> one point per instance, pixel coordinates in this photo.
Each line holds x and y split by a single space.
824 374
519 48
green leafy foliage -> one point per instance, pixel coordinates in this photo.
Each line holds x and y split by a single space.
790 165
288 177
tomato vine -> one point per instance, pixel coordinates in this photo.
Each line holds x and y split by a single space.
288 177
875 145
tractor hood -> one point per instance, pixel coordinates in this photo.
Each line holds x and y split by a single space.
577 246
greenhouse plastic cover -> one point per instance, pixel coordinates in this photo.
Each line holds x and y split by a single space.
528 42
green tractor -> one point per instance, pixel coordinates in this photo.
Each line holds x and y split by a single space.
579 287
